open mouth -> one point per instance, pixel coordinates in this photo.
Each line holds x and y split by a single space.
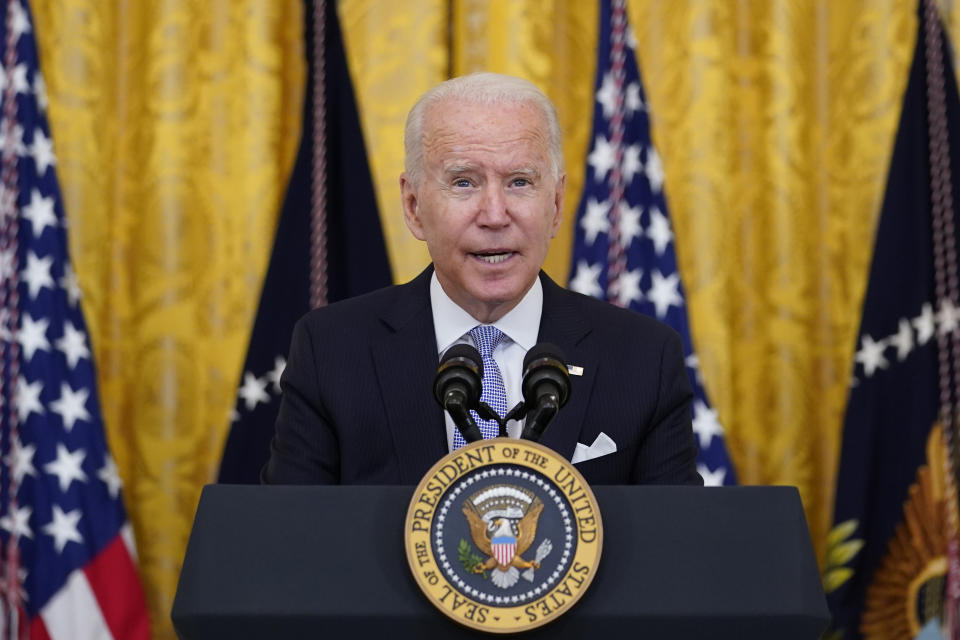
494 257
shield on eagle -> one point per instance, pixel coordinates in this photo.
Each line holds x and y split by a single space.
503 548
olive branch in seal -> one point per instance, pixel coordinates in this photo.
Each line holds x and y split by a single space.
468 558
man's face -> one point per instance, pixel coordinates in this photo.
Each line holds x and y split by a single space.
488 203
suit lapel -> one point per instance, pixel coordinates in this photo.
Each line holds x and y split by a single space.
406 362
563 324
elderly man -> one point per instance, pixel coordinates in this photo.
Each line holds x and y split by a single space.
484 188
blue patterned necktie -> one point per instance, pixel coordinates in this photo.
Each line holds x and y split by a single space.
487 338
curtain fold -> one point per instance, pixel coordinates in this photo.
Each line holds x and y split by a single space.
175 124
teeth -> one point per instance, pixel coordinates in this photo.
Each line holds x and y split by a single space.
495 258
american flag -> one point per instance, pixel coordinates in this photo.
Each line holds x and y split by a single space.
624 245
67 562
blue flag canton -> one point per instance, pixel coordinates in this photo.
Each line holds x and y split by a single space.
67 501
650 282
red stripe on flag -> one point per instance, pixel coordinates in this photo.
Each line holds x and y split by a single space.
38 630
116 585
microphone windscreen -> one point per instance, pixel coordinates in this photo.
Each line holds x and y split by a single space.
544 363
463 352
544 350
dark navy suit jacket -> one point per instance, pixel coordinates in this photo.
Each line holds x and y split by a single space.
358 405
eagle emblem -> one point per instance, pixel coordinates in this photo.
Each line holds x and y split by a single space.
503 524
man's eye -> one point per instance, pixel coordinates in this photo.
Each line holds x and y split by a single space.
520 182
461 182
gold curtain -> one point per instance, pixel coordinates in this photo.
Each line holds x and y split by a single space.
776 122
175 125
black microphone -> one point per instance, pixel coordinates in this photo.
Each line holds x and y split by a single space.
546 387
458 385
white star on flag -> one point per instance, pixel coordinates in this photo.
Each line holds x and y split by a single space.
18 522
871 355
73 344
602 158
20 85
28 398
253 391
20 460
63 527
67 466
594 221
41 149
279 364
607 95
71 405
71 285
948 318
633 101
110 476
706 424
627 288
925 324
33 335
659 230
20 23
654 170
631 162
40 213
587 279
664 292
37 273
903 339
712 478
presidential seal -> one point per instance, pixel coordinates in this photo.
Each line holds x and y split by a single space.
503 535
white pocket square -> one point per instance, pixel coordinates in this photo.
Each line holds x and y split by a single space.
602 446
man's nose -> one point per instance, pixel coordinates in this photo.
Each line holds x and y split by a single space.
493 207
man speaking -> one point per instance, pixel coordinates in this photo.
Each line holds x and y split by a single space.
483 187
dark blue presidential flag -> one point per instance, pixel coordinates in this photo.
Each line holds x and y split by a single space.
624 246
67 557
892 554
342 256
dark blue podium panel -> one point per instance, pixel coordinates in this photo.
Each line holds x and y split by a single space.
329 562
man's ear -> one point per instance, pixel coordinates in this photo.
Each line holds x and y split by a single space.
411 206
558 205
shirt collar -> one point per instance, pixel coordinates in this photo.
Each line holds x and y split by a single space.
450 322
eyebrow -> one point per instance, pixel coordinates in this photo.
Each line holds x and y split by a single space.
458 168
529 170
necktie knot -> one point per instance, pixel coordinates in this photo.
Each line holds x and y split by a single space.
487 338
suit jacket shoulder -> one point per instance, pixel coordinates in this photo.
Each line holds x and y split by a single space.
633 388
357 403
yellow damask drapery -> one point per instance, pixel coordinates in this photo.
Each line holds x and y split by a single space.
175 125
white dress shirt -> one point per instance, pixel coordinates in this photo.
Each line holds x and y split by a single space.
520 325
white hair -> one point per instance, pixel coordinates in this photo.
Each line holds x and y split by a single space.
483 88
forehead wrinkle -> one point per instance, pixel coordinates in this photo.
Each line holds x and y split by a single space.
498 140
454 142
